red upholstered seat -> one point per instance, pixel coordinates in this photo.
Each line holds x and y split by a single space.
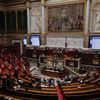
0 71
17 68
12 73
10 66
3 66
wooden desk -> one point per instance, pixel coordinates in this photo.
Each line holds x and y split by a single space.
56 74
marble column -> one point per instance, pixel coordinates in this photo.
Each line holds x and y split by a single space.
43 17
28 18
43 23
87 15
86 26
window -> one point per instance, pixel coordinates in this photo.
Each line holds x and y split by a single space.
34 40
94 42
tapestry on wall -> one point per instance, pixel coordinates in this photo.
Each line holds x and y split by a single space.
36 19
67 18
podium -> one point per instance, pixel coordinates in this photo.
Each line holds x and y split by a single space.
73 62
53 73
55 68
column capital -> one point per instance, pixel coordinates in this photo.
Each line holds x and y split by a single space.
43 20
42 2
28 4
28 21
87 15
87 1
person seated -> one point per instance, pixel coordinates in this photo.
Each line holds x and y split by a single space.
50 82
81 79
20 82
16 86
2 98
15 73
8 98
38 85
91 76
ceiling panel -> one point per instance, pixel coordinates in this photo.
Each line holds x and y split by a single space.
12 1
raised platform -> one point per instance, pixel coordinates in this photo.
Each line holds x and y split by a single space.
54 73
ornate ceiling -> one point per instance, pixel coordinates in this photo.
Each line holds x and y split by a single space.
7 2
15 1
11 2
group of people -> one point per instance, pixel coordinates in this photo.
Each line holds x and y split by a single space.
12 67
15 73
11 64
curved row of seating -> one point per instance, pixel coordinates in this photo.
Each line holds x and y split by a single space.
24 85
79 91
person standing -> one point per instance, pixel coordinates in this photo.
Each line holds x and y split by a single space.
59 90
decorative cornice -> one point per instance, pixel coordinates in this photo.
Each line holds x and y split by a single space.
59 2
35 1
13 2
